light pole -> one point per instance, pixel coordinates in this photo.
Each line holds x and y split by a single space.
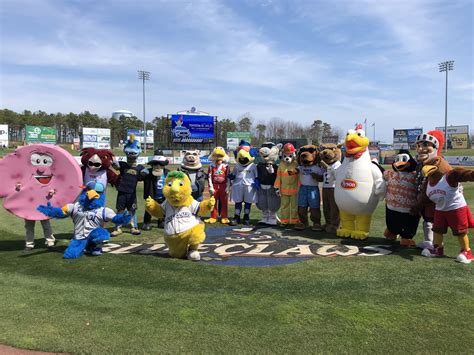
373 125
446 66
144 75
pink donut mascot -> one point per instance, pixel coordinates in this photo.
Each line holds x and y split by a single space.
35 175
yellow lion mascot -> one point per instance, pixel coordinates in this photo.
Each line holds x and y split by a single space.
184 231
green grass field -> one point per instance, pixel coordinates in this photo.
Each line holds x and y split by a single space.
400 303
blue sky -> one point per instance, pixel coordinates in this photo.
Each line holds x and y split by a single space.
338 61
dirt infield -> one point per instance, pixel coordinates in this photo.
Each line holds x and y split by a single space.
8 350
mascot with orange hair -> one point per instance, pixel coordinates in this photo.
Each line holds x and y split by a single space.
428 147
443 188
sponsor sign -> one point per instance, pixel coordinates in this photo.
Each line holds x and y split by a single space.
458 136
464 129
140 137
195 128
96 138
234 138
258 248
3 135
38 134
330 139
459 141
205 160
348 184
405 138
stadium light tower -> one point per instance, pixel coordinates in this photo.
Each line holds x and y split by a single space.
446 66
144 75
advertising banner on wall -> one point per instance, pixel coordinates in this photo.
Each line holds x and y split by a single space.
459 141
330 139
234 138
3 135
140 137
192 128
458 136
405 138
96 138
39 134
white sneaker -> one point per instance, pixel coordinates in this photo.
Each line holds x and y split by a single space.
264 219
194 255
426 244
272 219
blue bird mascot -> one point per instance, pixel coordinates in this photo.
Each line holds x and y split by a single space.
89 215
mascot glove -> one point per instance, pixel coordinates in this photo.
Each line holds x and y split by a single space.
270 169
292 172
231 176
211 191
277 191
380 187
150 203
256 184
144 172
122 218
211 203
50 211
323 164
115 165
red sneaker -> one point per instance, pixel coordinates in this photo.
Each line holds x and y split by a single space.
465 257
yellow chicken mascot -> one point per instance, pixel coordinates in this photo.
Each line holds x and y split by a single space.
184 231
359 186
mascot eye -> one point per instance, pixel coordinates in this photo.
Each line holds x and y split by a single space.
359 134
169 184
181 184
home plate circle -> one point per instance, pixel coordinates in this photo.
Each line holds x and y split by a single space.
257 247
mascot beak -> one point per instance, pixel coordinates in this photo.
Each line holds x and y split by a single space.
428 170
401 165
92 194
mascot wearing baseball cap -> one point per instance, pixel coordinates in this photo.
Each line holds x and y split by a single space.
89 215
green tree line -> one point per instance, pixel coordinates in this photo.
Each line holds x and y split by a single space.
69 126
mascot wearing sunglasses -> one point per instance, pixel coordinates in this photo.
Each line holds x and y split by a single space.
96 166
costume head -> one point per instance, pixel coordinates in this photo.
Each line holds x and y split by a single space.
330 152
132 149
96 159
219 155
191 160
92 196
157 163
288 154
177 189
429 145
307 155
245 154
404 162
270 152
356 142
38 169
